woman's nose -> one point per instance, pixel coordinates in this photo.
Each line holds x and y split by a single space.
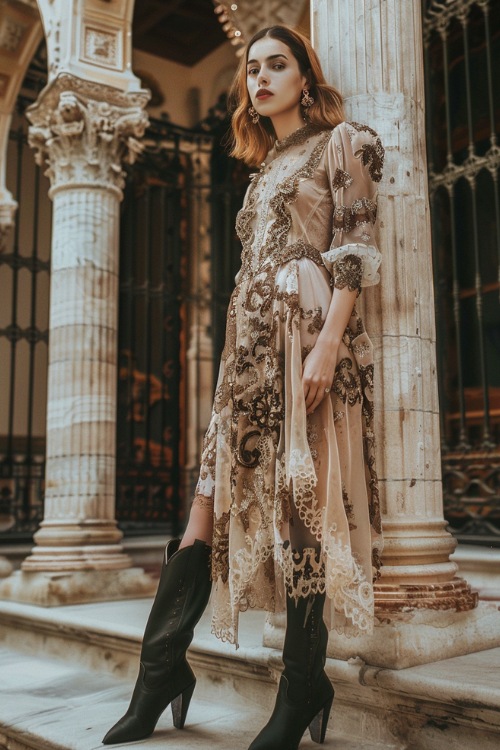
262 79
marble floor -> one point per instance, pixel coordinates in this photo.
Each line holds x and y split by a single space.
49 704
56 692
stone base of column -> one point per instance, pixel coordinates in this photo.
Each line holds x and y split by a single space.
53 589
5 567
100 557
406 639
455 595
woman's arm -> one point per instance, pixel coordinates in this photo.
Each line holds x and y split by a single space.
319 365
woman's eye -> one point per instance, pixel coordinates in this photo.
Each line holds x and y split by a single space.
253 71
279 66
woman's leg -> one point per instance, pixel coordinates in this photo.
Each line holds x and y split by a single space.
300 536
165 676
201 522
305 694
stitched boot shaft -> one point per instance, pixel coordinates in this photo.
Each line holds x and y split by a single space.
304 649
164 674
182 596
305 693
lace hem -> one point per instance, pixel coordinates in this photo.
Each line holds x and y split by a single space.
345 583
369 254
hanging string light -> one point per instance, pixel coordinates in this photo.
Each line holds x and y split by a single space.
227 14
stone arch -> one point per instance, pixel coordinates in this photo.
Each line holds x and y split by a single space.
20 34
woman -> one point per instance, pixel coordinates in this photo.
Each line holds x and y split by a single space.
286 513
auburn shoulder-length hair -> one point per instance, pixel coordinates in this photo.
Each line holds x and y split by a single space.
251 141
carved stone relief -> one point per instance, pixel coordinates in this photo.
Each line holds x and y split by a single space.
11 35
243 18
102 47
84 131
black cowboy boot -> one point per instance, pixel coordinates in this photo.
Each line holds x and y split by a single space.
305 693
164 674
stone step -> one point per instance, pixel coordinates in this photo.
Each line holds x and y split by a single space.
46 704
93 651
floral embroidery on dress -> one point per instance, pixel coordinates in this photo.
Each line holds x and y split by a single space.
347 384
220 548
362 211
349 508
372 154
341 179
348 272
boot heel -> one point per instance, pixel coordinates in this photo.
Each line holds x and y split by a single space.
317 727
180 706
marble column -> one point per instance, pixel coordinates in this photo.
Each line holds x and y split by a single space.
372 51
82 132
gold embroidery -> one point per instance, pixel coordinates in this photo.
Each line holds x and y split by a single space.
348 272
316 323
346 384
341 179
349 509
362 211
372 154
286 193
299 249
297 137
220 548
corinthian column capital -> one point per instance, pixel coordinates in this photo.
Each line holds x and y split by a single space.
84 132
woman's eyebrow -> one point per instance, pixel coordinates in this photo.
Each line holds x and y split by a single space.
271 57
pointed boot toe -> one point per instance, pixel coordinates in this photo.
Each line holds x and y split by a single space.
127 729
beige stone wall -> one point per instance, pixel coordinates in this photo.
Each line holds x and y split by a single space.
210 77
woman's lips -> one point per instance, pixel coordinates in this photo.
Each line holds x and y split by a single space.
264 96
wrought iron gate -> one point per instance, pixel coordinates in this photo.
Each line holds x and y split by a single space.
24 285
155 256
462 60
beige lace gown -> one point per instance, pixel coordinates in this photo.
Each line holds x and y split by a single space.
306 226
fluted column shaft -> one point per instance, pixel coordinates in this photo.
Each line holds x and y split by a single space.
82 378
372 51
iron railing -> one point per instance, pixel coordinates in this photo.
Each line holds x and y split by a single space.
24 284
462 55
156 295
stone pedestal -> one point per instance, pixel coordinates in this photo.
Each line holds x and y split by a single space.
372 51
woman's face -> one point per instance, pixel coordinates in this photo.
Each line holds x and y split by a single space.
274 80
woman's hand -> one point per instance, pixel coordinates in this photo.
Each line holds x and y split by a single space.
318 371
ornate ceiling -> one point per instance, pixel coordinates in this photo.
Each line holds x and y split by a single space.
186 30
180 30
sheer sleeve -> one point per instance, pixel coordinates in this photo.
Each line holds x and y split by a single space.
354 162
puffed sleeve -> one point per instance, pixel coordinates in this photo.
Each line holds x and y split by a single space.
354 162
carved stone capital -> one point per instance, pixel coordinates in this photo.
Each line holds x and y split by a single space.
85 131
243 19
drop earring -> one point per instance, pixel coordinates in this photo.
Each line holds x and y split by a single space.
253 114
307 100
